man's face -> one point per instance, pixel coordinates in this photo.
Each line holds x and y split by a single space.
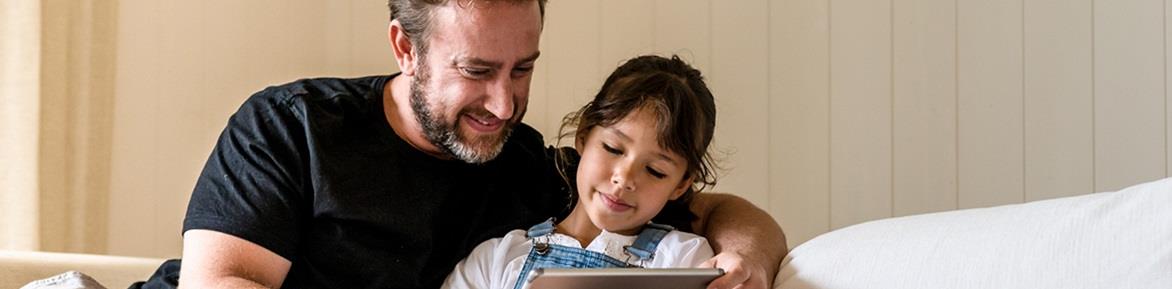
472 83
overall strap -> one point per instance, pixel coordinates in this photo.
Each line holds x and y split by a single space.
648 239
545 228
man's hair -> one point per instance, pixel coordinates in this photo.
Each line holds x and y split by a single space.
415 16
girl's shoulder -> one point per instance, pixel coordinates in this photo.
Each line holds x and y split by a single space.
677 237
513 240
501 248
681 250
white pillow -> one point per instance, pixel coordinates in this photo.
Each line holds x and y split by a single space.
67 280
1105 240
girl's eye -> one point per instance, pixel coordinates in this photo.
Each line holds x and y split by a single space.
655 173
611 150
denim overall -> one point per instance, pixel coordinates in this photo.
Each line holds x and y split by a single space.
546 255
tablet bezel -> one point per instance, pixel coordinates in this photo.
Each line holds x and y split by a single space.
607 278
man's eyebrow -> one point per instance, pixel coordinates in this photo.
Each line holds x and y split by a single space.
494 64
530 58
476 61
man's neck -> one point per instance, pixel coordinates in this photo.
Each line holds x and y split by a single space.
400 116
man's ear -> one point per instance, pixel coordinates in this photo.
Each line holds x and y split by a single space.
403 48
682 187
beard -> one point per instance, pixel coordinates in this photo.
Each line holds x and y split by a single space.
446 135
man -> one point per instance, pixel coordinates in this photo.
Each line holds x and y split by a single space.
388 181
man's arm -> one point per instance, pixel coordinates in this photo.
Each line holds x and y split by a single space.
748 243
216 260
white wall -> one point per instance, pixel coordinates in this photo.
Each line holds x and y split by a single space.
831 112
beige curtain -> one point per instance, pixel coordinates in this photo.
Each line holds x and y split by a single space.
55 114
19 107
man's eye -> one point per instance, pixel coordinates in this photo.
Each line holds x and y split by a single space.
611 150
522 71
655 173
478 72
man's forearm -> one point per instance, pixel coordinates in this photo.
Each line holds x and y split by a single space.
732 224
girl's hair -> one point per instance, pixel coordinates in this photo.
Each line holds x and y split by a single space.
684 109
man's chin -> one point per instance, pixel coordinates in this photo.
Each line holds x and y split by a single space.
481 148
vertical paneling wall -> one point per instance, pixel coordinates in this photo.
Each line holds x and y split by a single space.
835 112
830 112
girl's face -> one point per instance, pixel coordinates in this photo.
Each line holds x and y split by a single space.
624 177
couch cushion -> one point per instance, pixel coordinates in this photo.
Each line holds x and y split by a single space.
1105 240
18 268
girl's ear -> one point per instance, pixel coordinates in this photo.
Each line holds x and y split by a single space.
402 47
579 143
681 188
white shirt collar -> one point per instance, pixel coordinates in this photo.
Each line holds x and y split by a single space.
606 242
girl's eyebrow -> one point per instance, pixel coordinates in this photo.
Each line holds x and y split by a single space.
624 136
666 158
618 133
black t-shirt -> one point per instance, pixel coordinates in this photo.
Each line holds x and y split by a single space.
312 171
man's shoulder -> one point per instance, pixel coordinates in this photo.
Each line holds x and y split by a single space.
295 100
524 133
314 90
527 140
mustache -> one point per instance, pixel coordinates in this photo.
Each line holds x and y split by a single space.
481 113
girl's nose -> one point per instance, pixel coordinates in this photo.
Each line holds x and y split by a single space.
619 179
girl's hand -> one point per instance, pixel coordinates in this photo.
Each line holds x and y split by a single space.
738 273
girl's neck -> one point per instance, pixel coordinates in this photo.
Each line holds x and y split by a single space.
579 226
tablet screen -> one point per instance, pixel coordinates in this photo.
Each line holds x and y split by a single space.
609 278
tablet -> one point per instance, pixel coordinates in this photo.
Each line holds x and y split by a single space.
610 278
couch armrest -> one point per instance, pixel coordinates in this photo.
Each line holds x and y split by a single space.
1106 240
18 268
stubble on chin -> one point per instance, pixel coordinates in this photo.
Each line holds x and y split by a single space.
480 149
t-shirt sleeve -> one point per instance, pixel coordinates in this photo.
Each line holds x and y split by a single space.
490 265
682 250
251 186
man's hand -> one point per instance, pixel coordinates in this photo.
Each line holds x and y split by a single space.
748 243
738 274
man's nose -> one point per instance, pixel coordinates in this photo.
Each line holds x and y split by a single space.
500 101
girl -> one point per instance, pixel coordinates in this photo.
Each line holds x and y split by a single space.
643 142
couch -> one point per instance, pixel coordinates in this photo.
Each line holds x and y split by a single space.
1118 239
18 268
1105 240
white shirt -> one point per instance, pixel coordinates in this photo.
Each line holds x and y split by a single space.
496 263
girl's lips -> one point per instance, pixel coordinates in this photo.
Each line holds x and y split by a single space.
613 203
